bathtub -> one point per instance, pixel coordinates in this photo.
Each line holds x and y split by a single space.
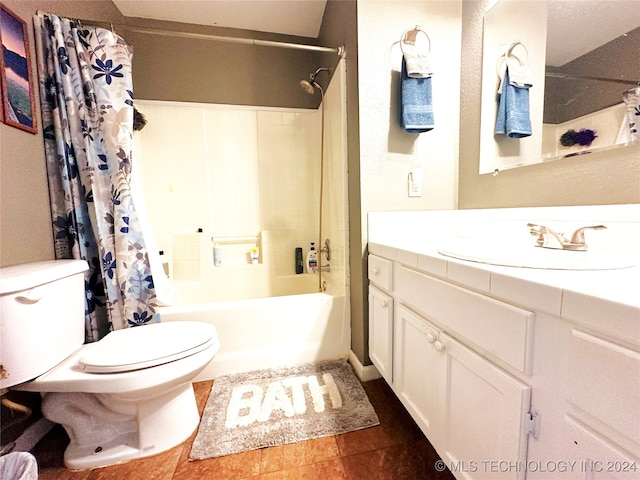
271 332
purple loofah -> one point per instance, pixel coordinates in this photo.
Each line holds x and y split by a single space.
585 137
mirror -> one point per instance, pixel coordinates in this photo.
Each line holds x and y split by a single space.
583 56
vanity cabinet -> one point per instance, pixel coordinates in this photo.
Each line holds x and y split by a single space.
519 373
470 409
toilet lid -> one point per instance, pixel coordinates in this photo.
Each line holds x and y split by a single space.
146 346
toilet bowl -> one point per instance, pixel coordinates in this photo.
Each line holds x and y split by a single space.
126 396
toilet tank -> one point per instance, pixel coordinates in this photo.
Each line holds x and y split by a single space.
41 317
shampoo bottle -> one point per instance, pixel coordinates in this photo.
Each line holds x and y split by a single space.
312 259
255 255
217 255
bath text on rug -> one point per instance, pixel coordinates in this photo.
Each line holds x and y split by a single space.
250 403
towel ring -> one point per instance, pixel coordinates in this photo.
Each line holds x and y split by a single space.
418 29
502 60
514 45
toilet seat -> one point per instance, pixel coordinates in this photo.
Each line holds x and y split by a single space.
148 346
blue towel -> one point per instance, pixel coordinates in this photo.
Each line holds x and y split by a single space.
416 112
513 110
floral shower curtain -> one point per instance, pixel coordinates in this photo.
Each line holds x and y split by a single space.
87 115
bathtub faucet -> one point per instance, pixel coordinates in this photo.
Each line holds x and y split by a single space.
548 238
326 249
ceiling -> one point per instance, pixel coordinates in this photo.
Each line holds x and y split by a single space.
290 17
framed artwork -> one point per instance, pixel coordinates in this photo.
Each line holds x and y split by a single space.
16 82
1 102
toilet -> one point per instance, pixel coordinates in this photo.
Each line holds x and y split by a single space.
126 396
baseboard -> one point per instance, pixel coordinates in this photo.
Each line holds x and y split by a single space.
364 373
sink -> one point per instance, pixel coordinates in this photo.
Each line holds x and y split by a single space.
530 256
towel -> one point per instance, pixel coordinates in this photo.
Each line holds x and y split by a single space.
513 110
520 76
416 57
416 112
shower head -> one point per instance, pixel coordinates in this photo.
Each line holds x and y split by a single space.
310 85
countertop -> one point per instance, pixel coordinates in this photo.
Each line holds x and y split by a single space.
604 300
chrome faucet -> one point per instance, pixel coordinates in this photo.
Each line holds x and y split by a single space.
547 238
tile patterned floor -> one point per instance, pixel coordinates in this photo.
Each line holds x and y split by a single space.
394 450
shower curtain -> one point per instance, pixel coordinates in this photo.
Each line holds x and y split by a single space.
87 115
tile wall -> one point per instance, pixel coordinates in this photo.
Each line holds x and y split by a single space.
240 177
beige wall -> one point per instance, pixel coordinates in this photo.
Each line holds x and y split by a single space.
178 68
596 179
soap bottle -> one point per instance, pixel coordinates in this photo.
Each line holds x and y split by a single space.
165 262
217 255
312 259
255 255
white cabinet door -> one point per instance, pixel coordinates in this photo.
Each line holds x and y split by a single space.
483 410
381 332
415 370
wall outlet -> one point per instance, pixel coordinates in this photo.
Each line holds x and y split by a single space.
415 182
415 189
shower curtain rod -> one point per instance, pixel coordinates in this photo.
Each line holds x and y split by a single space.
219 38
566 76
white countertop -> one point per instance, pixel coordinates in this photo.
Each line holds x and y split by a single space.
604 300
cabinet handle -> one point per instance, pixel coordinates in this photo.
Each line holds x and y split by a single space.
376 270
439 346
384 303
431 337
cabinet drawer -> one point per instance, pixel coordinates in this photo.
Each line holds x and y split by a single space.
380 272
496 327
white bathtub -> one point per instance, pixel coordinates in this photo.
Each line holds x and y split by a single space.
271 332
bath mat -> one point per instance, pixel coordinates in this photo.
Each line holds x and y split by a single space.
265 408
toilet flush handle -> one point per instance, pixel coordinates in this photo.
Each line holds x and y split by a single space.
30 297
